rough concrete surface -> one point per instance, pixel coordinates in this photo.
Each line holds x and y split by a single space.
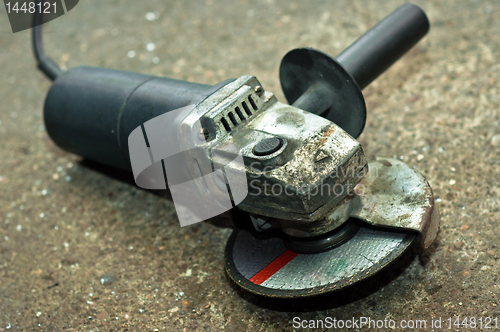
83 249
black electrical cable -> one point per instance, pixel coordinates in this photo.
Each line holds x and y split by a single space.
45 64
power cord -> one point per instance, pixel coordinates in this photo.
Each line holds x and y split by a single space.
45 64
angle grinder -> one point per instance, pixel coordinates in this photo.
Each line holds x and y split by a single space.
319 216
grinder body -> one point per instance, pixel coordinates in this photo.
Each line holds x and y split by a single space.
91 111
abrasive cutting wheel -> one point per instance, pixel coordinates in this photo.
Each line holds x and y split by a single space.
396 209
269 266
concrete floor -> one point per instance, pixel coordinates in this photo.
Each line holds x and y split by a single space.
66 224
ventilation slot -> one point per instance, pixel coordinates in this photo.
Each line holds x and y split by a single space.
240 115
232 118
225 124
252 102
245 107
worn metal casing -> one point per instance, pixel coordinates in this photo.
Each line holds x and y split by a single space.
316 167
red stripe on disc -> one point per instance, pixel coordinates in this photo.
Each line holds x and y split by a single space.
273 267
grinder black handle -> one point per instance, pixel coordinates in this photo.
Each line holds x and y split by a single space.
376 50
331 87
91 111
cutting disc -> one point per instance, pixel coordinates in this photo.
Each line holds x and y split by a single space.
266 265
